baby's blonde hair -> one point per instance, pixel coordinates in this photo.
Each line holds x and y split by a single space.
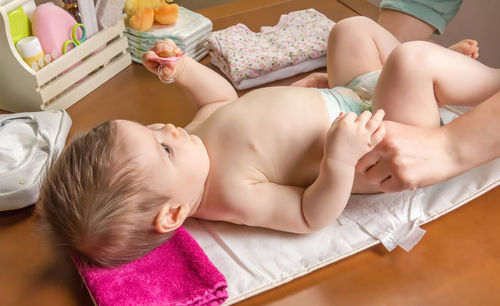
89 200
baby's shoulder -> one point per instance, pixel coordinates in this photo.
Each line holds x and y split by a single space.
203 113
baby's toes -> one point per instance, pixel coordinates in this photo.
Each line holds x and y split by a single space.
473 48
467 47
475 54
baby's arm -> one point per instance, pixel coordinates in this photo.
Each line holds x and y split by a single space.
302 210
201 84
349 138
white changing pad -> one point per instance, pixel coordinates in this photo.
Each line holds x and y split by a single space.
254 260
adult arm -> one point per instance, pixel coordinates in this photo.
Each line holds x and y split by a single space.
403 26
416 20
409 157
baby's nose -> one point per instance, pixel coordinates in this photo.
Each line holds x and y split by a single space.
173 131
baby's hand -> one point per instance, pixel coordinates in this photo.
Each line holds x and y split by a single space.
314 80
350 136
164 49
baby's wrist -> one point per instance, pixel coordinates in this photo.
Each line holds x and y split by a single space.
336 162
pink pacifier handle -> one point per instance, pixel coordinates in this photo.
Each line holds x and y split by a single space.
166 60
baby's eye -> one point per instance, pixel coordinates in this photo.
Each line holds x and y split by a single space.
167 149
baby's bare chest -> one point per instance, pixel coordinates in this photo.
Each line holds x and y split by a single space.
269 137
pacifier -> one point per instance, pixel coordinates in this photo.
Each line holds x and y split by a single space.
165 60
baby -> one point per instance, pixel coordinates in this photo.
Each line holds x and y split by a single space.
279 157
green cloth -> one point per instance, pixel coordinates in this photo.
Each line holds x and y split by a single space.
437 13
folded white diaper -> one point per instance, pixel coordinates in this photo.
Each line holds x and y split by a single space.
188 25
189 33
29 142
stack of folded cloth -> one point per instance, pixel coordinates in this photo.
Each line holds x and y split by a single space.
296 44
189 33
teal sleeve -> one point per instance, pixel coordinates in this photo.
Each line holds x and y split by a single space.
437 13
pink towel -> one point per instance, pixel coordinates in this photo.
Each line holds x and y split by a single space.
176 273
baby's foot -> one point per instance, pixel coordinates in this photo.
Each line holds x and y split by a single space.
467 47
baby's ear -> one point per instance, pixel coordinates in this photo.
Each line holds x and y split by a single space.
170 217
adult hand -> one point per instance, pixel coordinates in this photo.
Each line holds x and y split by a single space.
314 80
409 157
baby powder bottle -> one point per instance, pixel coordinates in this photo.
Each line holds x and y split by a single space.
31 51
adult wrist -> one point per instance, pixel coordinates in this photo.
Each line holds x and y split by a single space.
456 150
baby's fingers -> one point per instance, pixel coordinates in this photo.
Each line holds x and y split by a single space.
166 48
378 135
149 61
167 70
364 117
375 121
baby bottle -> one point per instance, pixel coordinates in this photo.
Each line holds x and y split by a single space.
31 51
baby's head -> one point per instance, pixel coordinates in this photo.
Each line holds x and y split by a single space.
120 190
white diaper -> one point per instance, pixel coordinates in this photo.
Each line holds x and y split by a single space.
29 142
364 85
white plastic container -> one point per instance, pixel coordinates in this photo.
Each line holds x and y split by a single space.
65 80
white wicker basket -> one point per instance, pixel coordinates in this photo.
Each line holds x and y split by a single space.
65 80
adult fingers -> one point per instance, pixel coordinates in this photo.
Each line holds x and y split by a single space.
367 161
392 184
378 173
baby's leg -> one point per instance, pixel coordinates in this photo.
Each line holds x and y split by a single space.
356 46
419 75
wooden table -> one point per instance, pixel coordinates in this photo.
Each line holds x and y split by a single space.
457 262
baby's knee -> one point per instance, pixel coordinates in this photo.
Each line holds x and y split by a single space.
409 57
352 25
355 22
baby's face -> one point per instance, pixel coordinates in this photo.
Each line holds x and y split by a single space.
175 163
